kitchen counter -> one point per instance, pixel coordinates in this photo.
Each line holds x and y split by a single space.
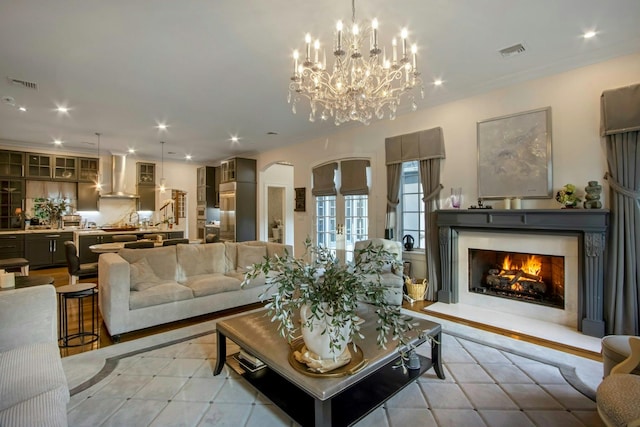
84 232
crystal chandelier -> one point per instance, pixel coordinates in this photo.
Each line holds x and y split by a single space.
357 87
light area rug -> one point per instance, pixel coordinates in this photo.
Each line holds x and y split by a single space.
491 380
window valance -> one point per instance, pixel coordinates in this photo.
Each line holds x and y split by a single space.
324 180
620 110
354 177
423 145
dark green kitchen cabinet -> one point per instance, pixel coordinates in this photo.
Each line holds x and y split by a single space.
46 249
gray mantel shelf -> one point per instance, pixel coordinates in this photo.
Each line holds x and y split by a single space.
589 224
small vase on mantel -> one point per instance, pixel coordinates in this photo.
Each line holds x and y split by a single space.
592 195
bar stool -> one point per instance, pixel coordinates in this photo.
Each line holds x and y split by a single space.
78 292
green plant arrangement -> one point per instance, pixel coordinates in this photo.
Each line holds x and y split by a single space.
331 291
567 196
50 209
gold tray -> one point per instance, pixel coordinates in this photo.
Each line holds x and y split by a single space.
355 365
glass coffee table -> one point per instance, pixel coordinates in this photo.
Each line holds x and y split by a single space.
329 400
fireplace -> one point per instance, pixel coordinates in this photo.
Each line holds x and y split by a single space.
578 235
525 277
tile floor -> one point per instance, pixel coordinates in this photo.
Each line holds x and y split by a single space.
484 386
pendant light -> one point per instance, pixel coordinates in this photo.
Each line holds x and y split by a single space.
99 175
163 182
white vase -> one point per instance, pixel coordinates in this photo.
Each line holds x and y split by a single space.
316 341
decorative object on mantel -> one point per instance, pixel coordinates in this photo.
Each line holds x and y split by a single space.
359 85
514 156
481 205
327 294
592 195
567 196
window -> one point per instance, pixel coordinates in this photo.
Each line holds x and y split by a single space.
342 217
411 204
326 221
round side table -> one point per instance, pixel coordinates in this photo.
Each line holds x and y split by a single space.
77 292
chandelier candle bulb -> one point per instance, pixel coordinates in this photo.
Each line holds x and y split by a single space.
295 64
374 37
316 47
394 43
404 34
339 37
307 39
414 52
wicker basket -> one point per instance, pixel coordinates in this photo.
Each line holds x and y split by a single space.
416 289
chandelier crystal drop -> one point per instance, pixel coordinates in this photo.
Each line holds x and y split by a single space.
359 85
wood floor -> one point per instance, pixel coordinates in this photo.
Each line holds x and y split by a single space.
61 278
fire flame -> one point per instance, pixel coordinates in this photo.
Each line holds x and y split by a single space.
533 265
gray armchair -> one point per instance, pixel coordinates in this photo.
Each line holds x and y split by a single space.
389 277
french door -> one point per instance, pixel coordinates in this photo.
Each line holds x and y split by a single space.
340 222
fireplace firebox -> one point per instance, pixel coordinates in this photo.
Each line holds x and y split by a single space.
533 278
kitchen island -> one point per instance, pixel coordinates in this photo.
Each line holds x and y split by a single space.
44 248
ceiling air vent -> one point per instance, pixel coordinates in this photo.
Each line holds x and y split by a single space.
23 83
510 51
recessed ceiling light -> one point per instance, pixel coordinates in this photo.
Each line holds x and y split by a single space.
187 157
589 34
162 126
437 82
62 109
235 139
57 142
23 109
132 150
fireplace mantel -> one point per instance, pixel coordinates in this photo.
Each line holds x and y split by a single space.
589 224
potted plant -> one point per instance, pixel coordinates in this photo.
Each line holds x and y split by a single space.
567 196
327 294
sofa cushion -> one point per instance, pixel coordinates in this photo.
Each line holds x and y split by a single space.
207 284
249 255
141 275
389 280
160 294
30 370
195 260
231 255
253 283
162 260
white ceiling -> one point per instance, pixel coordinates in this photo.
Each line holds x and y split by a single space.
217 68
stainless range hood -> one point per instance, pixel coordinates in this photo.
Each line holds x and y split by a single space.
118 173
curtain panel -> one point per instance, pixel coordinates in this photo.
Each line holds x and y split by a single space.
427 147
324 180
353 175
620 123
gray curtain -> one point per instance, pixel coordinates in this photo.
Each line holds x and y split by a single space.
431 186
393 192
427 147
324 180
354 177
621 125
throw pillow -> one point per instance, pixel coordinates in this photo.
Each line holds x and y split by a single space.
249 255
142 275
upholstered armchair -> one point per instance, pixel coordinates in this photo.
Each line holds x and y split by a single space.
618 396
389 277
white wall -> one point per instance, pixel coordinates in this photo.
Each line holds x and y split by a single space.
578 152
275 175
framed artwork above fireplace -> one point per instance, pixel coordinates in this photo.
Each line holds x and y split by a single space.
514 156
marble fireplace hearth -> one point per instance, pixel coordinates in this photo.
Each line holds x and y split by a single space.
586 228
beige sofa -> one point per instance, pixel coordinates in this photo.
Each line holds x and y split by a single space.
33 386
140 288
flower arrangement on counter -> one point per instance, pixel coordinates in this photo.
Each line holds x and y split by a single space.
50 209
567 196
